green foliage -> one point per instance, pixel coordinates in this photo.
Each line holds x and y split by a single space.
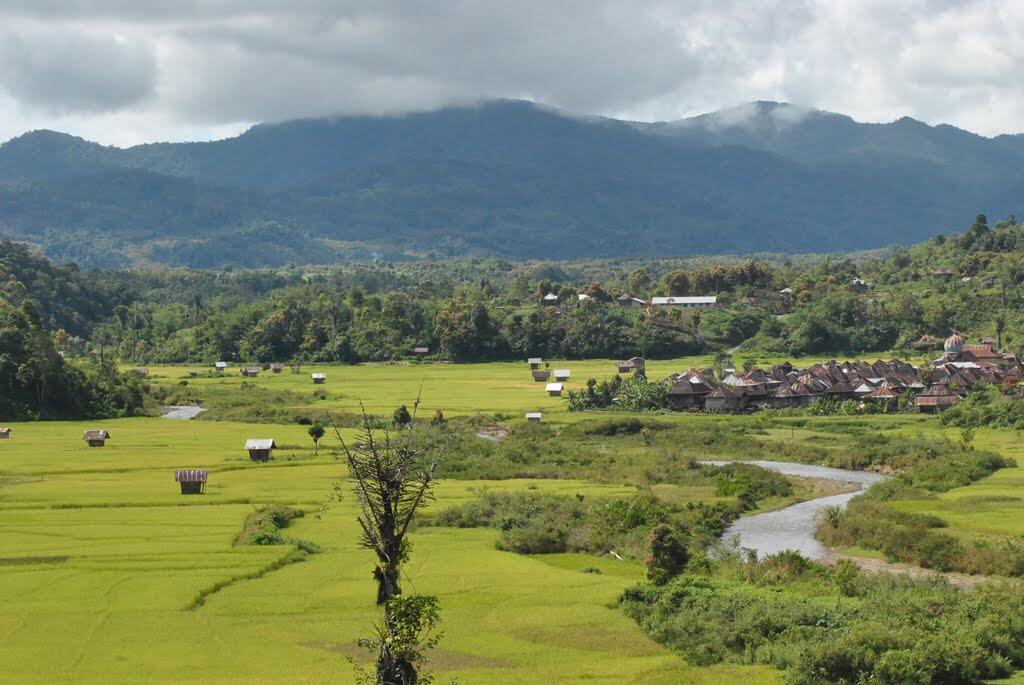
667 554
795 615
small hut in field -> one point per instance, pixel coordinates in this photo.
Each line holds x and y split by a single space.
562 375
534 362
533 416
220 366
421 351
540 375
630 365
192 481
319 378
141 371
5 433
277 367
554 389
260 448
250 371
96 438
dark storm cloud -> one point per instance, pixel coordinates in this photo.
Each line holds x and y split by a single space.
196 65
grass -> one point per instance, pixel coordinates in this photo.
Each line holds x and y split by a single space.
101 557
104 562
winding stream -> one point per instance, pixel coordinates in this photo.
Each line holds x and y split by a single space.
793 527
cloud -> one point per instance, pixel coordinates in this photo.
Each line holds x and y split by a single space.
62 71
131 69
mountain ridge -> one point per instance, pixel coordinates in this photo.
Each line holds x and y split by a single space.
508 178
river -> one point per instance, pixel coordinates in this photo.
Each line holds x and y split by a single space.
793 527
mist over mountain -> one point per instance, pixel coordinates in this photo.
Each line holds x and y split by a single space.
506 178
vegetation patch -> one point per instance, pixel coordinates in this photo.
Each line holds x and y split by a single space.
838 625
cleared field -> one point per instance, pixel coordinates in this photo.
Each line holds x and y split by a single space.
101 558
504 388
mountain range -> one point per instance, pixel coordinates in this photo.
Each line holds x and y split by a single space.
506 178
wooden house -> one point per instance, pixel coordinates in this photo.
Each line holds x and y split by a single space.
937 398
562 375
540 375
533 416
534 362
319 378
260 448
725 398
192 481
688 392
630 365
554 389
96 438
5 433
250 371
277 367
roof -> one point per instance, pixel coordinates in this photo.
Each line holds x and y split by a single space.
550 297
319 375
533 415
260 444
421 350
277 365
4 430
190 476
221 365
535 360
580 297
554 387
95 434
562 372
691 300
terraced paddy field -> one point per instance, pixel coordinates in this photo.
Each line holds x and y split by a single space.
102 562
108 574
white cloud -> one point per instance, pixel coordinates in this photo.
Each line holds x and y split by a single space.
128 70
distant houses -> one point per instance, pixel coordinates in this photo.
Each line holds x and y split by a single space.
534 362
260 449
319 378
250 371
5 433
540 375
276 367
554 389
689 302
192 481
549 300
96 438
562 375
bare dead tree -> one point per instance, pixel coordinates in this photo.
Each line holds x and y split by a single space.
392 477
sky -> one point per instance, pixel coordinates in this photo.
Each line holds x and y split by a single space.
123 72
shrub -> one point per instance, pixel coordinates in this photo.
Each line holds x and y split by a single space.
667 554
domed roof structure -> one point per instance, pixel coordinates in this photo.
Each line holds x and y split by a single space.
954 344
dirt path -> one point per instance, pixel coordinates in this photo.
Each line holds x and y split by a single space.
870 565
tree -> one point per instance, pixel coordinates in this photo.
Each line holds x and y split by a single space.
392 477
316 431
667 554
678 282
638 283
402 416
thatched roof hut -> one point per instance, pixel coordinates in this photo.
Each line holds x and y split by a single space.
96 438
260 448
192 481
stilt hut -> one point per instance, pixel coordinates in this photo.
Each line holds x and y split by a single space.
562 375
277 367
533 416
260 448
554 389
250 371
534 362
630 365
96 438
220 366
540 375
319 378
192 481
5 433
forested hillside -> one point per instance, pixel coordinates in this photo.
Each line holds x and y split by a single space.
470 309
504 178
